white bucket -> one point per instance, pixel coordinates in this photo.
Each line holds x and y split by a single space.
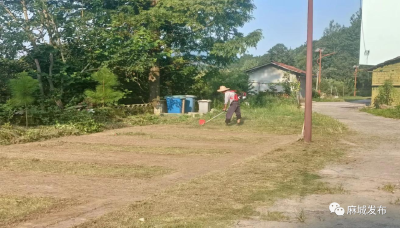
204 106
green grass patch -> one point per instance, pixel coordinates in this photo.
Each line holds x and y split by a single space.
81 169
280 119
16 209
393 113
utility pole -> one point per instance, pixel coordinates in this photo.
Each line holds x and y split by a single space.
320 50
355 79
308 107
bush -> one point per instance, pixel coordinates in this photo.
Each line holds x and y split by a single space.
265 99
89 126
332 87
12 135
6 113
315 94
386 94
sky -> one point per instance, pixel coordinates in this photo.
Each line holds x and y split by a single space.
285 21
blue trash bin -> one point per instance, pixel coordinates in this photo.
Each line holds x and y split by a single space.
174 104
190 104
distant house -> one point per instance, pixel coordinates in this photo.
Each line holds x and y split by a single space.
272 74
389 70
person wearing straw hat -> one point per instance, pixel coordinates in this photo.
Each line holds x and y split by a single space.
233 98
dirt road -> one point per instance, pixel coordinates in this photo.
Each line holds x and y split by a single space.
374 162
184 152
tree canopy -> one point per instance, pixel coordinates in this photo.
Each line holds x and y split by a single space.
66 41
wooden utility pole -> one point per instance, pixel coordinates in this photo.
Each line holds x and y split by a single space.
355 80
308 107
319 78
320 70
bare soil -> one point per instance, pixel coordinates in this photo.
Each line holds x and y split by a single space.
189 152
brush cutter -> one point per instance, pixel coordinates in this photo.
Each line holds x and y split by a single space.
203 122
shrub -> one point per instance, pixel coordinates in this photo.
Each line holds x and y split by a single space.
6 113
265 99
89 126
385 95
315 94
12 135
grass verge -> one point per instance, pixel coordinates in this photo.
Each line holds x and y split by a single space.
16 209
388 113
329 99
84 169
341 99
356 98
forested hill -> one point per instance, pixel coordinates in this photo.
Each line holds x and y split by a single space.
345 41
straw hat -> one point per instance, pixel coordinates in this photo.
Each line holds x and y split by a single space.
222 89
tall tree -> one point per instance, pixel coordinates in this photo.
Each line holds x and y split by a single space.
31 27
279 53
158 37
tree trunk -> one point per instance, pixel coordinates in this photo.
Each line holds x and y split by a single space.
154 76
50 77
58 101
39 77
154 82
33 43
26 116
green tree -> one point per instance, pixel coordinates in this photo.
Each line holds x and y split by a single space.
9 68
150 44
278 53
147 41
23 89
105 92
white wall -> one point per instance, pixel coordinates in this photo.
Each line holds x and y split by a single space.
381 29
260 78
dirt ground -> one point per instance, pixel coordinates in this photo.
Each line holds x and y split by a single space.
188 153
374 162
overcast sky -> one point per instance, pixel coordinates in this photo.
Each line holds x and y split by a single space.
285 21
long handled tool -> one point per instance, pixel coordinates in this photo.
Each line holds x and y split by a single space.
203 122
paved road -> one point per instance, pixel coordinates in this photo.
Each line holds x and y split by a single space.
374 162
